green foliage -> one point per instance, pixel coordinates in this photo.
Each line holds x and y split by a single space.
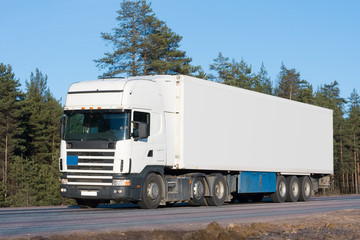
10 129
2 195
29 141
262 82
222 67
143 45
352 140
290 86
239 74
34 184
22 173
42 113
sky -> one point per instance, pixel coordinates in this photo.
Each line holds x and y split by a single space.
320 39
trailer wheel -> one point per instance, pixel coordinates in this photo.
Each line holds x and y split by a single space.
152 192
292 188
88 202
218 190
280 195
305 188
198 192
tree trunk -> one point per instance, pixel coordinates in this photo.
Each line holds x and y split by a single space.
355 167
353 183
53 149
358 170
6 157
342 163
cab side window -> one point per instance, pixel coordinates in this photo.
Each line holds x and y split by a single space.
141 119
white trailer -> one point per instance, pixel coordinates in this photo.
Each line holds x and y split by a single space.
164 139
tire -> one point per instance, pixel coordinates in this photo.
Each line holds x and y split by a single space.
256 197
219 190
305 188
280 195
92 203
198 192
152 192
292 189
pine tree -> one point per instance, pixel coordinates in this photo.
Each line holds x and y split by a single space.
23 172
143 45
328 96
40 163
353 124
222 68
10 130
164 56
241 75
262 82
2 195
305 93
43 113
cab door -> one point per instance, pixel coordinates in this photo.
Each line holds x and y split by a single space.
148 148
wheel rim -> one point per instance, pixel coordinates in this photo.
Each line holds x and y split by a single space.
198 190
307 189
153 191
295 189
219 190
282 189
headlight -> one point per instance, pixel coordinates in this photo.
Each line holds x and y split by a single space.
64 181
122 182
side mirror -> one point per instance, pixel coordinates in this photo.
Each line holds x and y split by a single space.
140 130
62 126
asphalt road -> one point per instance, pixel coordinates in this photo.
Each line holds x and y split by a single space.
45 221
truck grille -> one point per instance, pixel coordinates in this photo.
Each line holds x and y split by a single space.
91 168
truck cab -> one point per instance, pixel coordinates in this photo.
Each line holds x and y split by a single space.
112 136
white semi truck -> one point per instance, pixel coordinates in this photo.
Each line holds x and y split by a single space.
156 140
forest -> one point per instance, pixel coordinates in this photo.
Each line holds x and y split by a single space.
143 45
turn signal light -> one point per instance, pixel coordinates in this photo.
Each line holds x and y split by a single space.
122 182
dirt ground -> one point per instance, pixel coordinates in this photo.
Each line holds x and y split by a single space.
343 224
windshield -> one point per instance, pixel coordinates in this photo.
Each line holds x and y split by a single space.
96 125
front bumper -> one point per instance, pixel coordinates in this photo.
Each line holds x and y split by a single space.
125 193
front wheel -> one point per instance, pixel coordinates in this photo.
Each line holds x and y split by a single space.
151 192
